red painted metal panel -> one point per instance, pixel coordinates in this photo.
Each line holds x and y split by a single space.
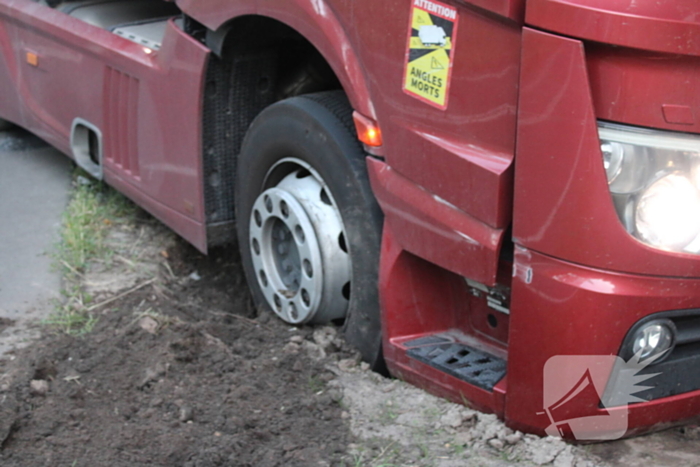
185 226
464 153
68 78
10 103
511 9
431 228
651 89
167 137
562 203
561 308
671 26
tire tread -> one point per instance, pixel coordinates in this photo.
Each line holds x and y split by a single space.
337 103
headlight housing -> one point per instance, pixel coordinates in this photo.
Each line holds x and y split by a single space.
654 180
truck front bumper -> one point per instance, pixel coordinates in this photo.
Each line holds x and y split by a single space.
567 319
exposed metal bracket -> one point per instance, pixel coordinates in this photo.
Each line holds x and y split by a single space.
497 298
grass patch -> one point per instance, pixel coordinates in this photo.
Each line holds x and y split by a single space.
93 209
71 315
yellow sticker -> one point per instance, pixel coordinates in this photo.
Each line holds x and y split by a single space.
432 32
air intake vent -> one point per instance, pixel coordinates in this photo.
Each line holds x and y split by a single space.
121 113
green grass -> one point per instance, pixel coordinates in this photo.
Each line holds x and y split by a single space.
70 315
92 210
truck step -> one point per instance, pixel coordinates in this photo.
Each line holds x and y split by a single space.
466 363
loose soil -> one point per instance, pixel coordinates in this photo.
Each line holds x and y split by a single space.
181 370
5 323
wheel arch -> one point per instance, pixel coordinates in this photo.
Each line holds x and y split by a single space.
314 20
314 58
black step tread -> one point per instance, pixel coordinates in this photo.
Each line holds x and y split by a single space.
426 340
466 363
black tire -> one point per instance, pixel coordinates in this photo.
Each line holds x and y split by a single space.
318 130
5 125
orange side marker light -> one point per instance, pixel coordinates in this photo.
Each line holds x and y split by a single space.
367 130
32 59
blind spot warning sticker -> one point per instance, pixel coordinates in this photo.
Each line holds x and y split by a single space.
432 33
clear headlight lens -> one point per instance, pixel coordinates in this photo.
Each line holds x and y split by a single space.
654 179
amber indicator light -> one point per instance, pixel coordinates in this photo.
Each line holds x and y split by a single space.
32 59
367 130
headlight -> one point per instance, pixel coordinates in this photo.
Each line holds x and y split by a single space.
654 179
668 213
650 340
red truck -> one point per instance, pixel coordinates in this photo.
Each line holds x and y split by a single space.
471 187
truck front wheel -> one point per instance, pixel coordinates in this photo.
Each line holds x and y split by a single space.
308 225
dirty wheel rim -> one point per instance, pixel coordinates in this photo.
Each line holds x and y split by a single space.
298 247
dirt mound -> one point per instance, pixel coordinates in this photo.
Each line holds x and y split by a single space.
177 372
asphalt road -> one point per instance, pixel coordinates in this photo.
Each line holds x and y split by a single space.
34 183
